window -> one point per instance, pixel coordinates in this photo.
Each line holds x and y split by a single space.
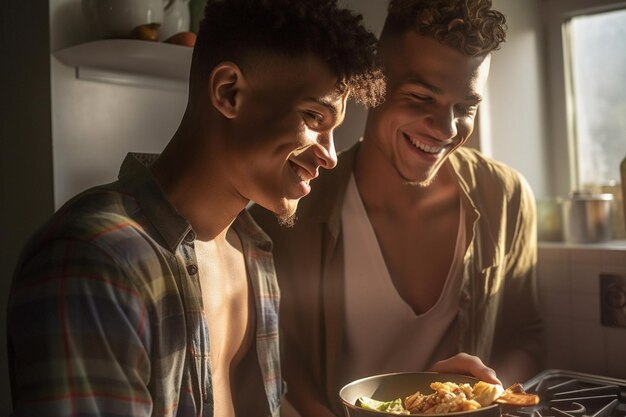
596 67
586 98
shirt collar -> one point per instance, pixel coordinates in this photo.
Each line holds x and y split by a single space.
137 179
480 226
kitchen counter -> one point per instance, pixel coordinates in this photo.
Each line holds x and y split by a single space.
619 245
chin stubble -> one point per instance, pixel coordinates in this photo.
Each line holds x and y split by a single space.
286 220
421 184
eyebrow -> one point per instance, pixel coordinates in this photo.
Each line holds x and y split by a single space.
472 96
326 103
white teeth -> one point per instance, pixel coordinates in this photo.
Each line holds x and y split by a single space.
303 178
300 172
424 147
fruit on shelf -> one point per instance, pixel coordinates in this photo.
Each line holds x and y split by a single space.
182 38
147 32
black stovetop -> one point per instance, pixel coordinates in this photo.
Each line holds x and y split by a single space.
573 394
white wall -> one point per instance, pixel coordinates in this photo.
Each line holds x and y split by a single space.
374 13
95 123
516 98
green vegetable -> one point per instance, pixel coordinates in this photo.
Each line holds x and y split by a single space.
371 404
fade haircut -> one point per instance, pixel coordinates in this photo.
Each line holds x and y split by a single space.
469 26
233 29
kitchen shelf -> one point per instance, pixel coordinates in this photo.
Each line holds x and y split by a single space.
131 62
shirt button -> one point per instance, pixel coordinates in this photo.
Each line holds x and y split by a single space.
192 269
190 237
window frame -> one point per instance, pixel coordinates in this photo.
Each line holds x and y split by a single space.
561 127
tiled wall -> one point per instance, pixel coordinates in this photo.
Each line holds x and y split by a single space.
569 290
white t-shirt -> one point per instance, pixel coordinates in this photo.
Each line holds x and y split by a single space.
383 332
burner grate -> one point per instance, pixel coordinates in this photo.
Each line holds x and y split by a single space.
572 394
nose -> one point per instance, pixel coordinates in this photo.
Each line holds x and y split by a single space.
325 150
442 124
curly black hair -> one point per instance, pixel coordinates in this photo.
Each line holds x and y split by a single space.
232 28
469 26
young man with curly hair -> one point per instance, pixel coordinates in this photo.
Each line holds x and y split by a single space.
156 295
415 248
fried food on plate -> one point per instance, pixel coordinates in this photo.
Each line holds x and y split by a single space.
449 397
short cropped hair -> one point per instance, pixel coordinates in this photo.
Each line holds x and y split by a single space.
232 29
469 26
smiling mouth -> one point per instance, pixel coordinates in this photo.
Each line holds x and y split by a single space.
431 149
302 173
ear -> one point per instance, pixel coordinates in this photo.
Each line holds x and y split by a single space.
225 84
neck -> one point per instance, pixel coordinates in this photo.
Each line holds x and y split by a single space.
195 180
382 187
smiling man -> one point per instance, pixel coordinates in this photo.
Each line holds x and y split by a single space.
156 295
414 248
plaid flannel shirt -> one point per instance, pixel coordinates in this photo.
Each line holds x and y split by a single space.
105 312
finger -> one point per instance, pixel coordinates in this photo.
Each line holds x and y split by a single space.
463 363
486 374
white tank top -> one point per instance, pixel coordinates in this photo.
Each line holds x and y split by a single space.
383 333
